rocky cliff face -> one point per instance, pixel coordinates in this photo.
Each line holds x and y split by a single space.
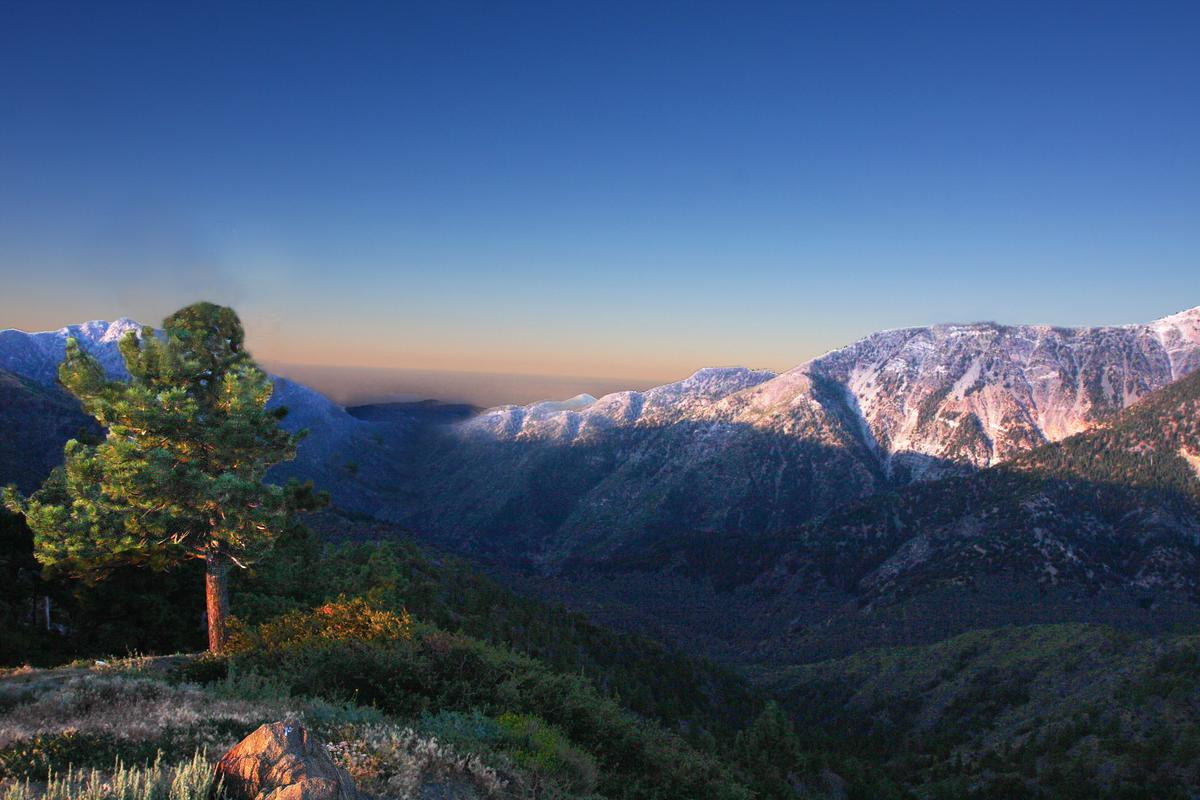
979 394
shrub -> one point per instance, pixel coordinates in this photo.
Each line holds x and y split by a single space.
44 753
341 620
463 730
206 668
395 761
544 749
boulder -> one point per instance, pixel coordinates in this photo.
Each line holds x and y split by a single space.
283 761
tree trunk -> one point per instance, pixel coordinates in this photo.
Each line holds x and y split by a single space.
216 591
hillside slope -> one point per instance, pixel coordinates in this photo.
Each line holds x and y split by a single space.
35 421
1102 527
1054 711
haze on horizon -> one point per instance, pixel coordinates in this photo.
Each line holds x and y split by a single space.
544 192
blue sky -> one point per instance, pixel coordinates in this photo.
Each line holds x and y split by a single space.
607 189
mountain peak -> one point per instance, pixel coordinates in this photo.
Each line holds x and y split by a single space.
119 328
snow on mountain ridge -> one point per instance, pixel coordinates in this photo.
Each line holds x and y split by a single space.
1176 334
973 393
37 355
568 420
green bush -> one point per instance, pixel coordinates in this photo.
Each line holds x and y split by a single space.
542 748
204 669
466 731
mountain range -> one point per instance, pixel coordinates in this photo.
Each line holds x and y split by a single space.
911 485
734 451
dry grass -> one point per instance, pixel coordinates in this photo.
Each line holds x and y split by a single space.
187 780
118 705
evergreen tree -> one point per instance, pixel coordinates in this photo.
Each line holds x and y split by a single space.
180 472
770 752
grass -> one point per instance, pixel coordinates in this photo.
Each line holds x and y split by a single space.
89 717
191 779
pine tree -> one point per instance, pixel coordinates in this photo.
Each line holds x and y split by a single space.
179 474
771 753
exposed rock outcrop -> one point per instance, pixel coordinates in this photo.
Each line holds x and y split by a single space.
283 761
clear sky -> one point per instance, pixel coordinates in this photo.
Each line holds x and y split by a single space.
597 189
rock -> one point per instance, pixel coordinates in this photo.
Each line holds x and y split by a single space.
283 761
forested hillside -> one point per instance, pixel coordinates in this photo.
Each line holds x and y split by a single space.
1055 711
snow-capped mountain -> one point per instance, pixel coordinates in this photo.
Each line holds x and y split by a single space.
734 449
584 416
37 355
973 394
